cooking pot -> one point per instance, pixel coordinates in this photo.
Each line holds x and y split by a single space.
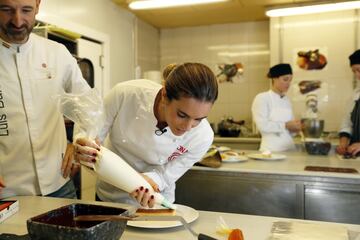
312 127
228 128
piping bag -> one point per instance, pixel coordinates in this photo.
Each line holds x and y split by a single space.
87 111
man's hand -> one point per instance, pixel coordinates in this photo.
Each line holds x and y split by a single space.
69 167
354 149
342 148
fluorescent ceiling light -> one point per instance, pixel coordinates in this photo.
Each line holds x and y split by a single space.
308 9
246 53
149 4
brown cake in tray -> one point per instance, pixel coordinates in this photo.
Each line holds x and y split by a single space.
155 212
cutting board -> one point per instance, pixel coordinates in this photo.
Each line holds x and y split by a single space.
330 169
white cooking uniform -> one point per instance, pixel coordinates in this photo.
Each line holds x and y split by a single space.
32 131
131 124
270 112
346 124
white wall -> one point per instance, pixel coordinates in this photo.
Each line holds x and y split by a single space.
103 16
246 42
335 34
148 47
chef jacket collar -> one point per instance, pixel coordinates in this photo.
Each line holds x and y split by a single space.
276 94
173 136
150 108
17 48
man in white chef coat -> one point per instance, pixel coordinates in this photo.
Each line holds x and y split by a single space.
349 141
33 141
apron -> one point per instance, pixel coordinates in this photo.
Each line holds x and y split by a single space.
278 142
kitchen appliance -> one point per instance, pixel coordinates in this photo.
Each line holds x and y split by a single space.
312 127
312 130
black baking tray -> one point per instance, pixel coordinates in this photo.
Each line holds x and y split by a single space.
59 224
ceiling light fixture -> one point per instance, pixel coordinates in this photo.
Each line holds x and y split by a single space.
308 9
150 4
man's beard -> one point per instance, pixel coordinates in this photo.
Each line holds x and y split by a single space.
15 36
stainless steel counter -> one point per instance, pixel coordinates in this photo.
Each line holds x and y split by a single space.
253 143
276 188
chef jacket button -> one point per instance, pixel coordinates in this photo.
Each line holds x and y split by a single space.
136 118
174 140
124 140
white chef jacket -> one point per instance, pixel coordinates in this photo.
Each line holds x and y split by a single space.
131 124
270 112
32 130
346 124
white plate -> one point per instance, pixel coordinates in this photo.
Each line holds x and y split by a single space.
188 213
223 148
233 158
259 156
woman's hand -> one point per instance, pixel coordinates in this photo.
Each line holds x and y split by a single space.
342 148
151 182
293 125
143 196
69 167
86 150
354 149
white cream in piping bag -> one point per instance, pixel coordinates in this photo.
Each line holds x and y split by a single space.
114 170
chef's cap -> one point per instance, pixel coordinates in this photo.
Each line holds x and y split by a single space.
279 70
355 58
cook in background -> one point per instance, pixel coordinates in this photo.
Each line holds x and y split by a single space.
349 142
273 114
161 131
34 158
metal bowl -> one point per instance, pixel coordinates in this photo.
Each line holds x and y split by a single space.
312 128
59 224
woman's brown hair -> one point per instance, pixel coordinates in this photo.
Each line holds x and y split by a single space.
193 80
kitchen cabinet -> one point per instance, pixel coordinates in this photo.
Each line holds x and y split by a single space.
278 189
334 203
254 194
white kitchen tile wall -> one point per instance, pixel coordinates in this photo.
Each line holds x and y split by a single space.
335 34
148 46
106 17
247 43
